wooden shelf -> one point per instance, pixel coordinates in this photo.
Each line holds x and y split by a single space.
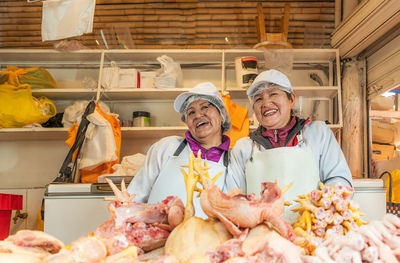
49 57
149 56
314 92
38 133
127 94
65 94
384 114
299 55
71 68
151 132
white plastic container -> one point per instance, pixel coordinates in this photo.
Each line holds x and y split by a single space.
370 194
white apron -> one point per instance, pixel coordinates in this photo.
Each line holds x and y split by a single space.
170 181
285 165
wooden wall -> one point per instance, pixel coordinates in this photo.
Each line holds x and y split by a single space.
177 23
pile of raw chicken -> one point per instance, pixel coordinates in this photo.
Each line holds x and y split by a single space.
240 228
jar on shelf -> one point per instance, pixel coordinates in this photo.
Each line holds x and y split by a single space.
141 119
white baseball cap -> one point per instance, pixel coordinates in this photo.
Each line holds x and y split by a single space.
271 76
204 88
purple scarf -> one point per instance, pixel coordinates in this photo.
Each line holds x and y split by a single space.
212 154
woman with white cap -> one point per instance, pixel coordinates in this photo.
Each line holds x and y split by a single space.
285 148
203 110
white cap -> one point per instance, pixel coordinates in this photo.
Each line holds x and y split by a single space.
205 88
271 76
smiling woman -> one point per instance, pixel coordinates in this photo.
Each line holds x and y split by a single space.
204 112
285 148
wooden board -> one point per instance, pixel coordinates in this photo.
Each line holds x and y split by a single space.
178 24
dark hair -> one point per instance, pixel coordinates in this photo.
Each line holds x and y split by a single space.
289 95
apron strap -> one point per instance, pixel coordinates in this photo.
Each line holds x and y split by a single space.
180 147
227 157
183 145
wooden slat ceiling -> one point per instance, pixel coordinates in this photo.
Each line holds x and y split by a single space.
176 23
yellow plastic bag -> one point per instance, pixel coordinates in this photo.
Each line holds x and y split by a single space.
37 78
19 108
395 186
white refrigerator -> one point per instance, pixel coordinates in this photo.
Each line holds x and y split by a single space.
74 210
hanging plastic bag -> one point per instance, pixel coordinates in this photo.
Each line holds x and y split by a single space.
101 148
19 108
37 78
169 75
73 113
67 18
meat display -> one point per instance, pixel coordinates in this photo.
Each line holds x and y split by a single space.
146 226
85 249
247 211
323 213
198 240
261 245
30 245
378 241
240 229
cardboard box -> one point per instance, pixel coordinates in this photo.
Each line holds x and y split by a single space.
381 152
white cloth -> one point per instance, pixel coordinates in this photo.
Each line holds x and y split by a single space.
284 165
99 146
328 157
160 174
129 165
67 18
73 113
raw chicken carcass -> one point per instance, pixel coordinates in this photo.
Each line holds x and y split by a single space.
144 236
261 245
168 213
194 237
34 243
18 258
262 234
85 249
247 211
146 226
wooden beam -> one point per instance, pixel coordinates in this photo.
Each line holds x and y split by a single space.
260 22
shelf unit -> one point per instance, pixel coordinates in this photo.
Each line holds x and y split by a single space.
71 69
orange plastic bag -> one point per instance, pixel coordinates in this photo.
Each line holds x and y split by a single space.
90 176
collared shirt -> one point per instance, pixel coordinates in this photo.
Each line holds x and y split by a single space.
212 154
278 137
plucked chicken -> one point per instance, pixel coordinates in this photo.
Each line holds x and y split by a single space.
30 245
247 211
146 226
261 245
193 237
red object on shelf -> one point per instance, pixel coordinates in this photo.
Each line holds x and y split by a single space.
8 202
